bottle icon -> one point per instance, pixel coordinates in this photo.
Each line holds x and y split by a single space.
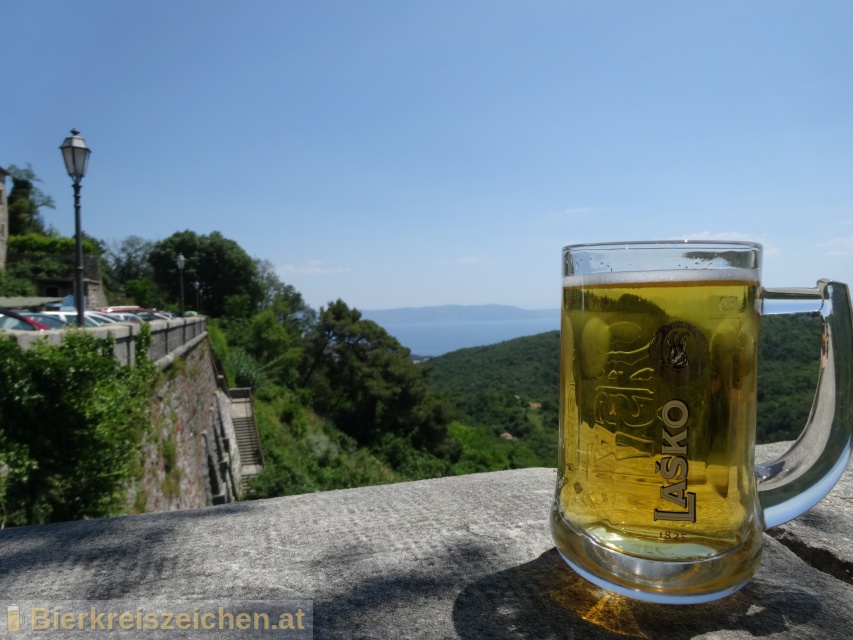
13 618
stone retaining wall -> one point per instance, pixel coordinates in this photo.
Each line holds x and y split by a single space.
186 462
189 453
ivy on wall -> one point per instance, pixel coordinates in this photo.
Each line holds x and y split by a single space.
52 245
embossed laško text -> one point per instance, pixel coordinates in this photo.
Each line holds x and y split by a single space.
674 466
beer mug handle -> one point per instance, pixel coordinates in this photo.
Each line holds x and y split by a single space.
799 479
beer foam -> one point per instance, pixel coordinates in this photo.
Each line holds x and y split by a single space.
661 276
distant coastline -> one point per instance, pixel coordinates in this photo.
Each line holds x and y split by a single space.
433 331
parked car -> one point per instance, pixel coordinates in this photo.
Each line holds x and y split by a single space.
100 317
10 319
146 314
51 322
117 316
70 318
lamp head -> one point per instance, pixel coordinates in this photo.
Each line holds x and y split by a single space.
76 155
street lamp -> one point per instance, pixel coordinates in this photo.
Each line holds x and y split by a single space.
76 155
182 261
197 297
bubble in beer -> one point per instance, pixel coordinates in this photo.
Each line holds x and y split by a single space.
595 346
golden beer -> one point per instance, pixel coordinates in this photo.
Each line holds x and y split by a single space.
658 398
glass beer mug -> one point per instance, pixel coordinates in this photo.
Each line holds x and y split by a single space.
658 495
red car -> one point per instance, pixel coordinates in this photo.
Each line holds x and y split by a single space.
13 320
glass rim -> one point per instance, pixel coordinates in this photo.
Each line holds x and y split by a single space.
664 244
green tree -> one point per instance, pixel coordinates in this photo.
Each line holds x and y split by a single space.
267 348
25 202
128 259
126 272
222 267
364 380
142 292
287 303
276 345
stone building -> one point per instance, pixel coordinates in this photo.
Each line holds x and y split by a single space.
57 287
4 218
63 286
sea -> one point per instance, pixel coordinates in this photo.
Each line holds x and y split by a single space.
435 336
434 331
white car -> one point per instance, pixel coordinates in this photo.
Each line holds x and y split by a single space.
103 318
70 318
122 317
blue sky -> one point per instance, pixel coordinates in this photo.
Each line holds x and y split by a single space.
398 154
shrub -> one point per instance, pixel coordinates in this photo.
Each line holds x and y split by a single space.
51 245
71 425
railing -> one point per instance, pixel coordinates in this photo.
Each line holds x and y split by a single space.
172 338
169 338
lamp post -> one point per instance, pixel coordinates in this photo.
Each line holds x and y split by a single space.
197 296
182 261
76 156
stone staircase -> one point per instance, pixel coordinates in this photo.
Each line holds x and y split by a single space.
246 432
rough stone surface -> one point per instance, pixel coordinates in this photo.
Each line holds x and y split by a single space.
463 557
822 536
175 473
186 417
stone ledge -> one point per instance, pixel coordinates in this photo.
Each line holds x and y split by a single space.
167 338
462 557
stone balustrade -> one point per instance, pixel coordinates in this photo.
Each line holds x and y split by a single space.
460 557
169 338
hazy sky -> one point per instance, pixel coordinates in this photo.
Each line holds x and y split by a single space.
442 152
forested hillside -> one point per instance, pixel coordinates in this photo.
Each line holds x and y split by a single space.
507 388
789 362
513 386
